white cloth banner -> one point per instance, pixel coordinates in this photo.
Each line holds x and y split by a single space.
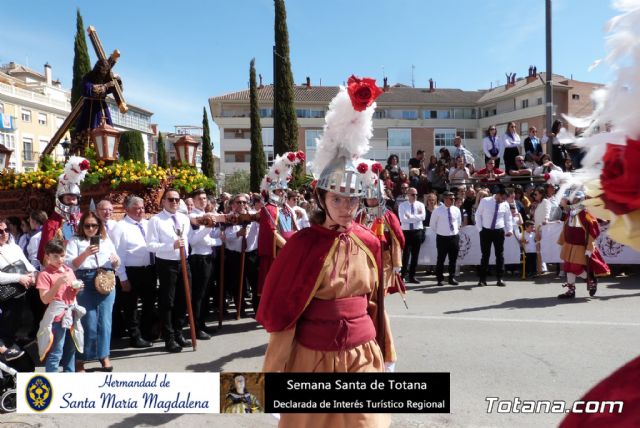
470 253
612 252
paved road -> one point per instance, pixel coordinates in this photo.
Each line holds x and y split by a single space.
518 341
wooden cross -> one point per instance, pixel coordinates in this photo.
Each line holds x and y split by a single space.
75 112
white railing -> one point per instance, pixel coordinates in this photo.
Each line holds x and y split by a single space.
34 96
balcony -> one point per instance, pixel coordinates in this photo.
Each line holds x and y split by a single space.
34 97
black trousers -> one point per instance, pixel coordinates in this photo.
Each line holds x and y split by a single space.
171 296
143 281
412 243
490 237
232 275
531 263
201 268
447 246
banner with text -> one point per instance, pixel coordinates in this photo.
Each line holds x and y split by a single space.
118 393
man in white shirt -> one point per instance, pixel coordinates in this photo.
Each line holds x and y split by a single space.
233 252
302 219
136 272
411 214
445 221
493 220
200 262
104 211
169 230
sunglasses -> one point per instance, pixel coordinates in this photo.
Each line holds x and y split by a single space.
90 226
3 231
242 202
174 200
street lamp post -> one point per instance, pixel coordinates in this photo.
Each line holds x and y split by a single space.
106 139
65 149
186 148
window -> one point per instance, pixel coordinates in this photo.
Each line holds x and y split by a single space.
399 137
575 96
42 118
437 114
444 137
267 138
309 113
237 134
26 115
464 113
524 128
27 149
539 100
237 157
7 140
466 134
310 136
525 103
266 112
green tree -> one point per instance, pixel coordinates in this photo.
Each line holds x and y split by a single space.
207 147
238 182
285 125
258 162
131 146
81 61
161 153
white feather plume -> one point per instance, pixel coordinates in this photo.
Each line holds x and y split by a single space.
346 132
618 104
74 172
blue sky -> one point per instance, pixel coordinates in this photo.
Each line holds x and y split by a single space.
176 54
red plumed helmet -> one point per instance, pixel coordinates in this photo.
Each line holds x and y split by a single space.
291 156
377 168
363 167
300 155
84 165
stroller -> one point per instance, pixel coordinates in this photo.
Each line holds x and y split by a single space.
7 388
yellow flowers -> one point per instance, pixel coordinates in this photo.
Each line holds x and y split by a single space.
184 178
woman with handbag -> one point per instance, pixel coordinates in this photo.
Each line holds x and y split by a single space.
93 257
16 275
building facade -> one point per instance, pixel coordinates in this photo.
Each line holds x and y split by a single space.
169 139
407 119
32 108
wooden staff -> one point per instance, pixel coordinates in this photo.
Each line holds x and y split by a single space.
241 284
187 291
221 283
524 251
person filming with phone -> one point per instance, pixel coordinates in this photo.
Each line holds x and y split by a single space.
92 255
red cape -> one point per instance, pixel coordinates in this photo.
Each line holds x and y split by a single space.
597 265
394 226
268 220
295 273
49 229
623 385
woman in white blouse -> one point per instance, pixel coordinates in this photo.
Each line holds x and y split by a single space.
492 146
511 142
84 259
546 167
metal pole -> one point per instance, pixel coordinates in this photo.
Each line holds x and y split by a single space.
549 75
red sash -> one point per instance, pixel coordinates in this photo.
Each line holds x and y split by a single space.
335 325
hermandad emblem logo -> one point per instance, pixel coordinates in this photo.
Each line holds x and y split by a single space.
39 393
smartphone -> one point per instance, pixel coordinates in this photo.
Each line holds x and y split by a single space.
94 240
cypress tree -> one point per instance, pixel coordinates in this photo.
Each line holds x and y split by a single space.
258 162
285 125
161 154
207 156
131 146
81 61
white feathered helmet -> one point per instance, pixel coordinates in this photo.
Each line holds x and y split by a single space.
345 138
69 181
279 175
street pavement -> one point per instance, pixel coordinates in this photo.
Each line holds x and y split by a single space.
518 341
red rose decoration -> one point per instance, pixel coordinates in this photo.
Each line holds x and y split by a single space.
268 179
363 92
363 167
376 168
301 156
291 156
277 171
546 176
620 177
84 165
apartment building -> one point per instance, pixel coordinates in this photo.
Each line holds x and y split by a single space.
407 119
32 108
169 139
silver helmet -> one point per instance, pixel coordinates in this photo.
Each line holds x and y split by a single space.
69 184
340 176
